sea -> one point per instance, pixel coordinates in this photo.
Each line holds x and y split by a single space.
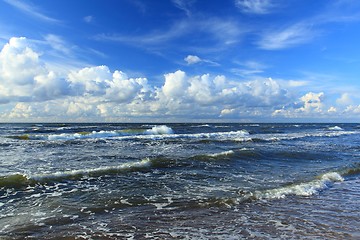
180 181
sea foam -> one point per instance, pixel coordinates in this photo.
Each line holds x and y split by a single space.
159 130
19 180
335 128
300 189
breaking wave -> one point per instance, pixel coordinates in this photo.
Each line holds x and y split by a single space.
214 156
21 180
305 189
155 133
159 132
335 128
300 189
220 154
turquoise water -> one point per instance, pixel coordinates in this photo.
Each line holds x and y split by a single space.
179 181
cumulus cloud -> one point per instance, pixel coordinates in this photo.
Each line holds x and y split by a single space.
352 109
175 84
25 77
191 59
226 111
344 100
312 102
23 74
90 80
309 105
96 93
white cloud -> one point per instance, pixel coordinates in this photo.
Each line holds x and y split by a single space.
184 5
21 110
175 84
33 91
344 100
352 109
191 59
221 32
90 80
226 111
312 102
88 19
57 43
19 63
294 35
310 105
255 6
332 110
121 89
31 10
249 68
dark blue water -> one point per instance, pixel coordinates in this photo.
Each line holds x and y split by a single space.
179 181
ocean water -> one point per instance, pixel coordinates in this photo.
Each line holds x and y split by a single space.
179 181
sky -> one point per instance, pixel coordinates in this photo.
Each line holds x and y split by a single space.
179 61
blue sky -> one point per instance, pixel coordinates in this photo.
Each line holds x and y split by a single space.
178 60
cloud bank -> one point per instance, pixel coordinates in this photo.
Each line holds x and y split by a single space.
31 91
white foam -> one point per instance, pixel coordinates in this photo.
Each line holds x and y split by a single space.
292 136
335 128
73 136
225 153
301 189
81 172
233 135
220 135
159 130
156 132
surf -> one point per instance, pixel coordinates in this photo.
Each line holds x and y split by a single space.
18 180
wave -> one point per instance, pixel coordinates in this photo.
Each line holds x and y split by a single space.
294 136
300 189
155 133
201 125
335 128
155 130
220 154
160 132
212 156
18 180
305 189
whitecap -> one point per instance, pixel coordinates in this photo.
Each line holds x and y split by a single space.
159 130
335 128
300 189
225 153
92 171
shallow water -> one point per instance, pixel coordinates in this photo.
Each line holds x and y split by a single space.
179 181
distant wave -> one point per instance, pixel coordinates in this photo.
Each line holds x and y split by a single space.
160 132
201 125
155 133
335 128
293 136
